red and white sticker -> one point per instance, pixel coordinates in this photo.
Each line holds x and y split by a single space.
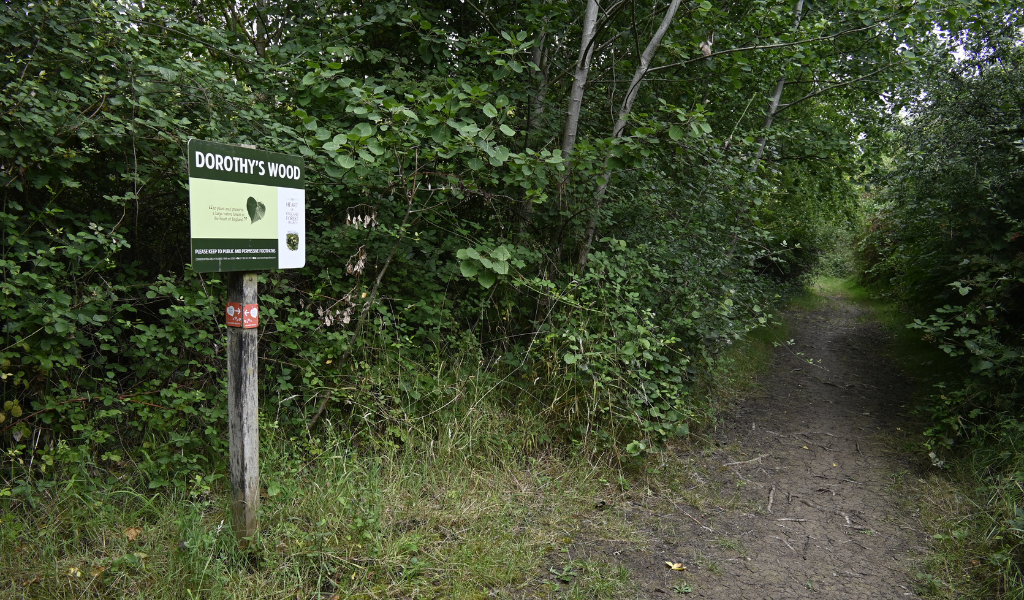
233 314
237 315
250 316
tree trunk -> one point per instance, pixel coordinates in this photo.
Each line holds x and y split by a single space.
773 105
620 124
579 80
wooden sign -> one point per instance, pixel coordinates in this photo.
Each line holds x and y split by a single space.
247 213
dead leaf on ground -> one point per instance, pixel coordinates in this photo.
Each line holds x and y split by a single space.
675 566
132 532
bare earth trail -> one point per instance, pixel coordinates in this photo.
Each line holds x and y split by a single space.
808 465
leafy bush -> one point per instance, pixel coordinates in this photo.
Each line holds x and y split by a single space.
946 238
443 221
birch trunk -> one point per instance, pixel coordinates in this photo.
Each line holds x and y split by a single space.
773 104
579 80
620 123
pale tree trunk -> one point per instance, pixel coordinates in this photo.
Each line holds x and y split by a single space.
579 80
773 104
620 124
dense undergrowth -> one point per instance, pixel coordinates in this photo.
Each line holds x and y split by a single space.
442 223
945 240
473 501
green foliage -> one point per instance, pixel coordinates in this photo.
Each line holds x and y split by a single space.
443 218
945 239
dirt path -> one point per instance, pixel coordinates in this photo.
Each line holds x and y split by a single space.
808 466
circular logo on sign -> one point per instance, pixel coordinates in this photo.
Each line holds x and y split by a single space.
252 312
231 311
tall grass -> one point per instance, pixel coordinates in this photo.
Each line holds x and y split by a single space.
474 494
467 502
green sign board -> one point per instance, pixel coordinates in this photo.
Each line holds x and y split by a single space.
248 208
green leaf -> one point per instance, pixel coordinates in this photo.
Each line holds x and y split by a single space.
490 111
345 162
634 448
501 253
675 133
507 130
364 130
469 268
439 133
570 358
487 278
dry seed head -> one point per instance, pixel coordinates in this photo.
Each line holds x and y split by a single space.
356 262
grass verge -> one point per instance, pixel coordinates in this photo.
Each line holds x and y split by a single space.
427 518
474 503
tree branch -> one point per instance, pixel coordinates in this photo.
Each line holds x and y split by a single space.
765 47
823 90
484 17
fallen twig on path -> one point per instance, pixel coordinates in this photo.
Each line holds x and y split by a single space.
698 522
743 462
771 499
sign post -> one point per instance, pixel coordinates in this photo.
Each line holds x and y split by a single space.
247 213
243 403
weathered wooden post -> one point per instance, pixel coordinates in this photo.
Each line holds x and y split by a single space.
243 407
247 212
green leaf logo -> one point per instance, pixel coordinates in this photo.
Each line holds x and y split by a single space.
256 209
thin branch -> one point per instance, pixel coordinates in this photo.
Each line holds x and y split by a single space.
823 90
766 47
483 16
